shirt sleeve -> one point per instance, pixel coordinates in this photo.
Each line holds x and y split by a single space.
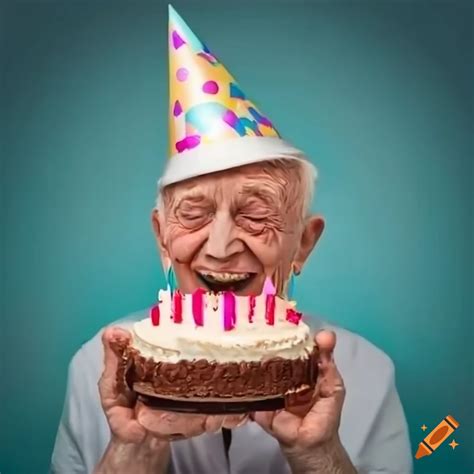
373 427
387 446
83 432
67 455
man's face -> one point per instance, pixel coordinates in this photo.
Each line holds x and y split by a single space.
230 230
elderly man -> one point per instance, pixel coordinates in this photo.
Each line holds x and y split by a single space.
233 208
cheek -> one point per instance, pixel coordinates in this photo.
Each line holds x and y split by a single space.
183 244
271 250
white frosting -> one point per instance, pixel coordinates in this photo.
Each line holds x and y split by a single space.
247 341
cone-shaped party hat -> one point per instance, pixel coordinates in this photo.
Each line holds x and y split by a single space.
213 125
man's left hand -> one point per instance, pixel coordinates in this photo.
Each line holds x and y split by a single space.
305 440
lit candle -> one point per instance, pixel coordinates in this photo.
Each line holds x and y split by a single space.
269 287
198 307
293 316
229 310
252 301
270 309
155 315
177 307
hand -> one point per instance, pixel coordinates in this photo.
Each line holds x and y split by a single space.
320 424
133 422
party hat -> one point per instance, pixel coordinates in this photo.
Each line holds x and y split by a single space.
213 125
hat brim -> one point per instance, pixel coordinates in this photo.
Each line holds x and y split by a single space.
213 157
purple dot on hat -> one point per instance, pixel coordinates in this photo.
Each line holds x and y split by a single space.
182 74
230 118
177 109
210 87
177 40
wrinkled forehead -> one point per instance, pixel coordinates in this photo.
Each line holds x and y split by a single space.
262 180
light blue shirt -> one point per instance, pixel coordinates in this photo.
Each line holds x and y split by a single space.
373 428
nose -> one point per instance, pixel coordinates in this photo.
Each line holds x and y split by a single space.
222 242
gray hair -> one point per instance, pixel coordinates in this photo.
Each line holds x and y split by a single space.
308 177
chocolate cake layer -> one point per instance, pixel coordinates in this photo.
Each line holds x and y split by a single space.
203 379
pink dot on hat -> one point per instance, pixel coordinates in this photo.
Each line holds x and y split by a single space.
210 87
182 74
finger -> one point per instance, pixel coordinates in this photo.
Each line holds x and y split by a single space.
233 421
325 414
331 382
214 423
117 405
165 423
326 342
114 341
329 399
187 424
123 424
243 420
286 425
330 390
300 402
264 419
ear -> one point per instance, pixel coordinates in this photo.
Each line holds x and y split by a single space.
312 230
157 226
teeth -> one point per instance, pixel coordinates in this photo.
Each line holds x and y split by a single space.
225 277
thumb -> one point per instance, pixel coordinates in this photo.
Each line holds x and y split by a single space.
117 400
326 342
115 340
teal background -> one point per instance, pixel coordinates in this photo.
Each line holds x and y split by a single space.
378 93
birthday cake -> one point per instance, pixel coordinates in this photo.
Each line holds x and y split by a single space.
220 347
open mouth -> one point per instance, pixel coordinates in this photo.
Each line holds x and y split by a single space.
215 281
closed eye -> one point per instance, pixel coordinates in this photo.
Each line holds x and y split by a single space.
255 218
194 220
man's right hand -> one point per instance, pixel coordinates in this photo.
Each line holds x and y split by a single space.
136 426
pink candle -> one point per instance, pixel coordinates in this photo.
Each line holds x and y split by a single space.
198 307
155 315
293 316
268 287
177 307
270 309
252 301
229 310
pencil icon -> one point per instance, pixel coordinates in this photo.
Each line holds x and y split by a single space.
447 426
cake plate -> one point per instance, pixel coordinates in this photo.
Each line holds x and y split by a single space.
218 406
